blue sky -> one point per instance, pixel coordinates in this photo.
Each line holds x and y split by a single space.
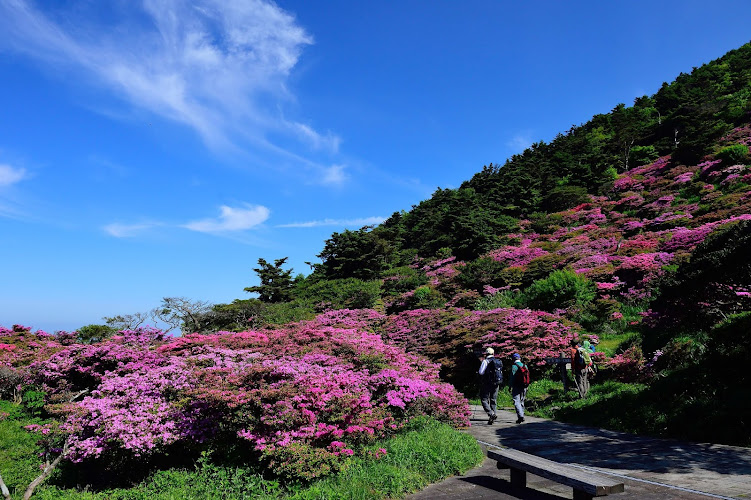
159 148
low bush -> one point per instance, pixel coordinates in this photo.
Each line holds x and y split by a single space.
561 290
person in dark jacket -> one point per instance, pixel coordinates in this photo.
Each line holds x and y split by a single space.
488 386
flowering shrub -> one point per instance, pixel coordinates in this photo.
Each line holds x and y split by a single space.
292 394
451 337
630 366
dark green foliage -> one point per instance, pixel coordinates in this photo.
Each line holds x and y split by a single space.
403 279
360 254
460 219
241 315
236 316
349 293
276 283
541 267
481 272
91 334
423 297
561 290
643 155
736 154
34 401
564 197
731 339
703 290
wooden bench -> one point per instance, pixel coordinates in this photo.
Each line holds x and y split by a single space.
586 484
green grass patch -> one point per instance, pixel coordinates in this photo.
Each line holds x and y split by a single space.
426 452
19 461
610 342
431 451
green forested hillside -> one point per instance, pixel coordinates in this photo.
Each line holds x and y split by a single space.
631 229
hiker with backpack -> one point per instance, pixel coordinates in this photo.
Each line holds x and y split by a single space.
589 349
491 378
519 382
580 367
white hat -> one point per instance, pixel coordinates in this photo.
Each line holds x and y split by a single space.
489 350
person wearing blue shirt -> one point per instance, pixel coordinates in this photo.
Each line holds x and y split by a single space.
518 389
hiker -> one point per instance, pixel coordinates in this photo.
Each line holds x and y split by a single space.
579 368
519 382
589 349
491 377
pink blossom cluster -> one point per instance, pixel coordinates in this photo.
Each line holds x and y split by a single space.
312 383
533 334
514 256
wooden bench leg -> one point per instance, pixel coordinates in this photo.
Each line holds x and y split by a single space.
582 495
518 478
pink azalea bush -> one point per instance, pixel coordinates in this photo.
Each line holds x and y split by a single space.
287 395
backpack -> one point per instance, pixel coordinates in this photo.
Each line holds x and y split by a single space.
494 373
580 359
586 356
521 377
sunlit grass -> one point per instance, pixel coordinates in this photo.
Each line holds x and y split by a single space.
427 452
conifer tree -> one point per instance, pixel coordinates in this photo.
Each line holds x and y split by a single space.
276 283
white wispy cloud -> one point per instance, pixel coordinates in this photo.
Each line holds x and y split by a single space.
119 230
10 175
365 221
217 66
231 219
520 142
328 141
333 175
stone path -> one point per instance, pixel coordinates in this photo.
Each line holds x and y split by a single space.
651 468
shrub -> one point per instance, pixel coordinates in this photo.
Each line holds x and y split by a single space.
564 197
403 279
480 272
706 289
561 290
732 338
501 300
541 267
733 155
346 293
265 393
10 381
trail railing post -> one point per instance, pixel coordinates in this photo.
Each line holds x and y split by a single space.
564 375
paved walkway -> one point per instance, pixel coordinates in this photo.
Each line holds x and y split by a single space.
651 468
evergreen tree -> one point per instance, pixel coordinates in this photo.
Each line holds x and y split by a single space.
276 283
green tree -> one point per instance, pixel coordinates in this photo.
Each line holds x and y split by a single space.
276 283
90 334
360 254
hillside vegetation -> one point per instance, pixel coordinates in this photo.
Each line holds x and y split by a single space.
632 230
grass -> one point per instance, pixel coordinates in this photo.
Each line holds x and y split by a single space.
19 464
429 453
426 452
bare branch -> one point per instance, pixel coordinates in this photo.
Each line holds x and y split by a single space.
181 313
4 489
78 394
126 321
45 473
